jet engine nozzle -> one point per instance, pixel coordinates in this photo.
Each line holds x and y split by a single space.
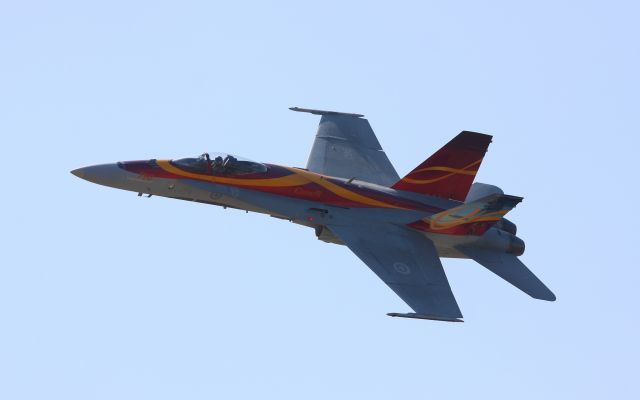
503 241
516 247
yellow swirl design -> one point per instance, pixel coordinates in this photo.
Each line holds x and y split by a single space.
285 181
452 171
475 216
298 178
340 191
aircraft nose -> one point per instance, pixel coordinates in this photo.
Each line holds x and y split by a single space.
78 172
103 174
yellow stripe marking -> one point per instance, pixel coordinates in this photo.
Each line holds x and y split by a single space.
285 181
472 217
453 171
340 191
299 178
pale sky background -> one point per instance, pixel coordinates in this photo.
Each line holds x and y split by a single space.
104 295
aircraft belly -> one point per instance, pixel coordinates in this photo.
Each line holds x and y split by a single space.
215 194
179 189
446 244
304 212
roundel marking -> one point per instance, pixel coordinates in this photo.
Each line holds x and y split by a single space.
401 268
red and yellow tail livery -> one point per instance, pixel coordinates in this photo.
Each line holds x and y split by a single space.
450 171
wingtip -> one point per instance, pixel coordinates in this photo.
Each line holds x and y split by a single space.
542 293
324 112
548 296
423 316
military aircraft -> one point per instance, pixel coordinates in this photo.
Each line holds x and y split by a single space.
350 194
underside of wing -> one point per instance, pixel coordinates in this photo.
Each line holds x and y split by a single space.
408 263
511 269
346 147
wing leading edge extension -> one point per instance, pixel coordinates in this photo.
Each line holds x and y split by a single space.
408 263
346 147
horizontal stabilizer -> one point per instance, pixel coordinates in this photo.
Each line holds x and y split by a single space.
511 269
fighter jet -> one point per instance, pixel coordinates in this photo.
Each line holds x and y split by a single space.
351 195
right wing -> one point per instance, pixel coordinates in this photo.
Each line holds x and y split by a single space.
408 263
346 147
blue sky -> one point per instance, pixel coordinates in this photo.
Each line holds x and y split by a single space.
106 295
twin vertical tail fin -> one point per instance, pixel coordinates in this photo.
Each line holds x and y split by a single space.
473 218
450 171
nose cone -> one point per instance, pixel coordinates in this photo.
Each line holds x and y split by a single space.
103 174
78 172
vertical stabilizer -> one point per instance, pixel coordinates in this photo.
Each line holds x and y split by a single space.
450 171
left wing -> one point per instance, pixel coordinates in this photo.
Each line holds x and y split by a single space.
408 263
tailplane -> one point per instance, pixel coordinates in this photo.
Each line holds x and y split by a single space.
450 171
511 269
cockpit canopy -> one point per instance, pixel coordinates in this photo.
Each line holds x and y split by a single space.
220 164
